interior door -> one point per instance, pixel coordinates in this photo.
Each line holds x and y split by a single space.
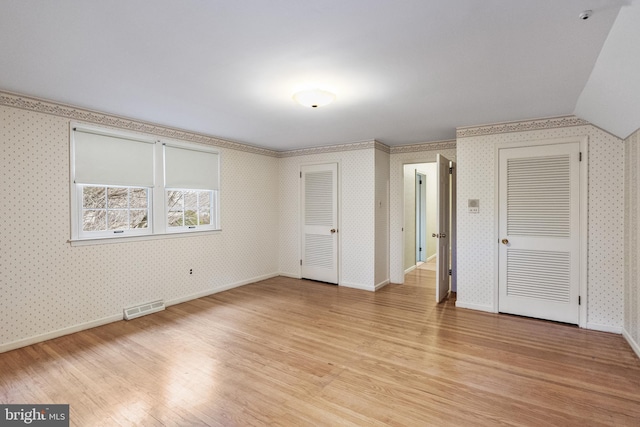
539 225
443 235
319 219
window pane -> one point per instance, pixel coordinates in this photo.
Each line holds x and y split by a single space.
175 219
138 198
118 220
117 197
190 208
190 200
94 198
94 220
138 218
174 200
205 199
191 217
205 218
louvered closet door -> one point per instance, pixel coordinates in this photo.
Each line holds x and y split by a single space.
319 219
539 190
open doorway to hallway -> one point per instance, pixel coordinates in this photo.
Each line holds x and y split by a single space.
429 221
420 209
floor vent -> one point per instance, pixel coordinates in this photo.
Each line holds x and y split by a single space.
142 309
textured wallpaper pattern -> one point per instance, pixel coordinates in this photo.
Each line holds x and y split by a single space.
381 207
48 285
356 170
398 159
476 180
632 240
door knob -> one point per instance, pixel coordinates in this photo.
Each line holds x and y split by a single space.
333 230
505 241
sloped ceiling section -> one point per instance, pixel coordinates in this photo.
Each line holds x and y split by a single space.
611 97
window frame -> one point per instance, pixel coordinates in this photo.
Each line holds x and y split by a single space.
157 195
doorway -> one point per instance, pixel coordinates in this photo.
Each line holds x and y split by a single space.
419 214
429 221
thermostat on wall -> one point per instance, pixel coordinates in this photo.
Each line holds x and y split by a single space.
474 205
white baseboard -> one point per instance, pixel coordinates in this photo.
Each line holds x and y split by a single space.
410 269
634 345
382 284
208 292
358 286
116 317
293 276
478 307
604 328
59 333
431 257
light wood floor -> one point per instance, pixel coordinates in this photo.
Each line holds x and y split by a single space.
432 264
291 352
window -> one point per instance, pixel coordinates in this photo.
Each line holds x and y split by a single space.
189 208
114 209
127 185
191 188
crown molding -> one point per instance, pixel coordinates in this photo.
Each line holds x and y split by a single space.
425 146
382 147
331 149
88 116
523 126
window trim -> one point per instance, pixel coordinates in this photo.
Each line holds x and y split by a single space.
157 194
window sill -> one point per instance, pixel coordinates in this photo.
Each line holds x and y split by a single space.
111 240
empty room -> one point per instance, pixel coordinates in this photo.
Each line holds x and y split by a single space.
355 212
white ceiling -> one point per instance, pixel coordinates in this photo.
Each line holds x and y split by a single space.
403 71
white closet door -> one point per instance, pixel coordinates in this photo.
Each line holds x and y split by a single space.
539 221
319 219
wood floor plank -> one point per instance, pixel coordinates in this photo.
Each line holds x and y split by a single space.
294 352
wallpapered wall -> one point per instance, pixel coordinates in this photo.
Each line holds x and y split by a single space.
48 285
476 234
381 207
632 241
356 212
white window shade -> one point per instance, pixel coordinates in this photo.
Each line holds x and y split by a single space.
112 160
190 169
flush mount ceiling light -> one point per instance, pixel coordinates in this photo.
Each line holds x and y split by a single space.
314 98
